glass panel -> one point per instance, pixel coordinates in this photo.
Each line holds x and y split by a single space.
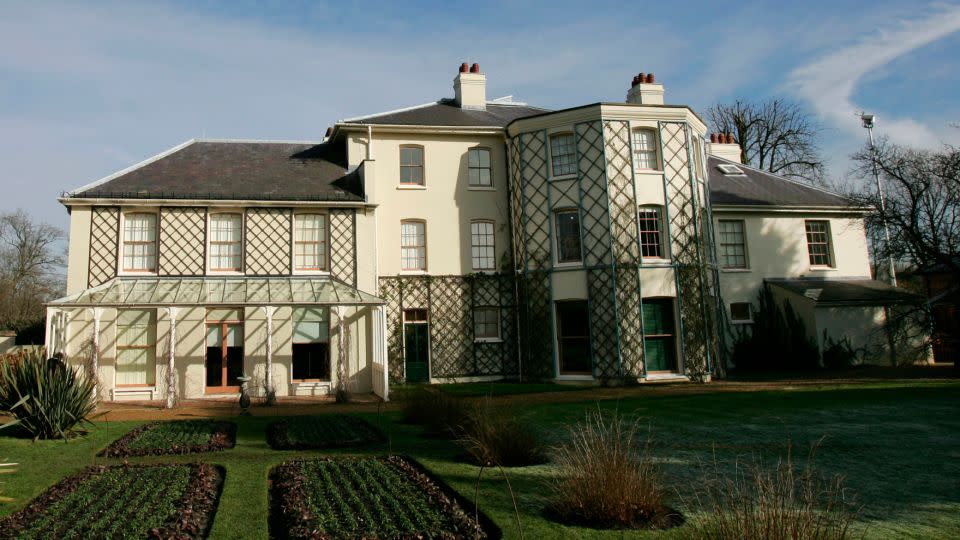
235 292
258 290
568 237
189 291
325 291
311 361
133 367
311 331
563 154
301 291
214 335
165 291
280 290
234 335
212 291
311 314
141 292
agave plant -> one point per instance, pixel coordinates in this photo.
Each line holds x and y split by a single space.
45 397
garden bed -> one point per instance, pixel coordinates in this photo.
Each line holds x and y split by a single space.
123 501
176 437
325 431
375 497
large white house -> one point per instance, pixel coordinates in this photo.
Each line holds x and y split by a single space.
462 239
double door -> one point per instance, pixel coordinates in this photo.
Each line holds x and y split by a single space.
224 361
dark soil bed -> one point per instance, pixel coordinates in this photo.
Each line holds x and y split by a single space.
177 437
371 497
123 501
324 431
662 517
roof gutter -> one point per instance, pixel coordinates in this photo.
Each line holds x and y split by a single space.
789 209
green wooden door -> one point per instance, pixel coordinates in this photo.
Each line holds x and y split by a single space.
415 348
658 328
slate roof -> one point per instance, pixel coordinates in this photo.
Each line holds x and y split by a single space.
759 188
237 170
847 291
446 113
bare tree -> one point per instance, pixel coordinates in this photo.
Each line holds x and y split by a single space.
775 135
922 202
31 261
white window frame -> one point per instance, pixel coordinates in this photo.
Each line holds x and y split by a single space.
635 152
481 187
325 242
422 270
121 269
550 139
831 256
721 244
492 245
243 248
487 339
741 321
423 167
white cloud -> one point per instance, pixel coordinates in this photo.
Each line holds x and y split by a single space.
829 83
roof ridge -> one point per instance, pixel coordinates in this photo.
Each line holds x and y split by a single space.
257 141
784 178
131 168
394 111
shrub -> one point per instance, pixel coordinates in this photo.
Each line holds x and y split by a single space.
608 479
494 436
778 502
838 354
47 398
439 413
776 341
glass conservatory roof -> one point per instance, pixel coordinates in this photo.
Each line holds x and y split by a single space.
235 291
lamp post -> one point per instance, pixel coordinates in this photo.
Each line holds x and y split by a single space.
868 121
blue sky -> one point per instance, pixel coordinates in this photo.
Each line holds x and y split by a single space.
87 89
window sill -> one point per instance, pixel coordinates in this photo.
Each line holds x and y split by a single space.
572 176
575 377
572 264
311 272
225 273
488 340
823 269
481 188
411 187
648 171
736 270
489 271
310 383
413 273
146 273
740 322
655 261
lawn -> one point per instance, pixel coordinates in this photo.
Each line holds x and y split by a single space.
897 444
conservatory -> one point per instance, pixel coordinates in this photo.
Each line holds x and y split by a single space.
172 338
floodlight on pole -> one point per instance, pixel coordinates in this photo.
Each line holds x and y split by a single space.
869 120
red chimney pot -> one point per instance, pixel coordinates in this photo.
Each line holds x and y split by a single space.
713 137
650 78
641 77
475 68
463 67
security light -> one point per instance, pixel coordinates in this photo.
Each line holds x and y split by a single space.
867 120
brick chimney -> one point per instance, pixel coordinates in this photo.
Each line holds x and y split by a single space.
723 145
470 88
644 90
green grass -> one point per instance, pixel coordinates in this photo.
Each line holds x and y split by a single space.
895 443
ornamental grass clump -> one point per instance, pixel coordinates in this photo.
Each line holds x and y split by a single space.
607 478
46 398
494 436
782 502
